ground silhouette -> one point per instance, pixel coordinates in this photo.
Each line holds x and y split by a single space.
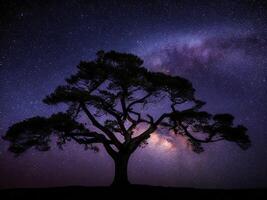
132 192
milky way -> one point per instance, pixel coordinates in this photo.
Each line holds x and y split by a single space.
220 46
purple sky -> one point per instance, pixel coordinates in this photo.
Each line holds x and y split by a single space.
220 47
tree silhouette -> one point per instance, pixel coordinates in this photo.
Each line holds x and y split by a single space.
108 98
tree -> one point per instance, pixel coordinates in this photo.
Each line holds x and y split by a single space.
115 94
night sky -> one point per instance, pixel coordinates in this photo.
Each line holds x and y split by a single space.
221 46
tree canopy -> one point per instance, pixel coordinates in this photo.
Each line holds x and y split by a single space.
109 97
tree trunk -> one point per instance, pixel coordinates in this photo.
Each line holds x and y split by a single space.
121 174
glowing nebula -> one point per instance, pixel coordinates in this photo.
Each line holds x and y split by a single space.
160 142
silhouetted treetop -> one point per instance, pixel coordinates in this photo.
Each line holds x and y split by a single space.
109 98
36 132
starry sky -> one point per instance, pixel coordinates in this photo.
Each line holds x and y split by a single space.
220 46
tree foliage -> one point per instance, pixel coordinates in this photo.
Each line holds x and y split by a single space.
109 97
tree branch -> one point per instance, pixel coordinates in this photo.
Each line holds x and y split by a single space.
141 100
188 134
116 114
126 133
146 134
123 106
112 137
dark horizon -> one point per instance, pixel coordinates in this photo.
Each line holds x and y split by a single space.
219 46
